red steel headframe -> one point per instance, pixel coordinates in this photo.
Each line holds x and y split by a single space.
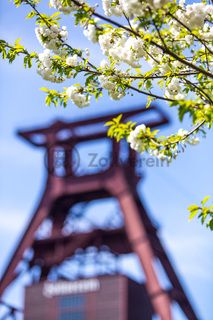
118 181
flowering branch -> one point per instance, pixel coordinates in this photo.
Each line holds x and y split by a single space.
163 48
164 52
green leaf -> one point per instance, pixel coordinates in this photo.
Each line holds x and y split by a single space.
149 101
193 211
200 76
109 123
148 84
118 118
31 15
44 89
17 2
193 207
193 214
205 200
211 224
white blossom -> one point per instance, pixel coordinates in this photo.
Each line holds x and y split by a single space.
87 52
174 90
181 3
108 83
136 8
77 97
104 63
182 132
72 61
105 40
135 142
164 68
123 49
112 8
57 4
45 58
207 32
133 7
161 155
155 58
51 37
207 106
194 15
189 39
188 138
194 141
44 68
91 33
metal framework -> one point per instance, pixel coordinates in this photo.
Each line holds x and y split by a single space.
10 312
68 188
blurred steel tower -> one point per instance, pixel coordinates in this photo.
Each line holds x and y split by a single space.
65 187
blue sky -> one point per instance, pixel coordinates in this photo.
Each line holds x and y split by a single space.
166 191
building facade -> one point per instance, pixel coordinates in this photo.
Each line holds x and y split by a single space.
102 298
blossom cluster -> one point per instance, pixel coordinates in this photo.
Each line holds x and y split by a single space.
132 8
112 8
51 37
46 70
45 67
174 90
190 139
72 61
122 48
91 33
76 95
135 142
194 15
138 143
57 4
108 83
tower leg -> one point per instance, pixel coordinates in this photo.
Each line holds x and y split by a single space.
138 238
178 293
